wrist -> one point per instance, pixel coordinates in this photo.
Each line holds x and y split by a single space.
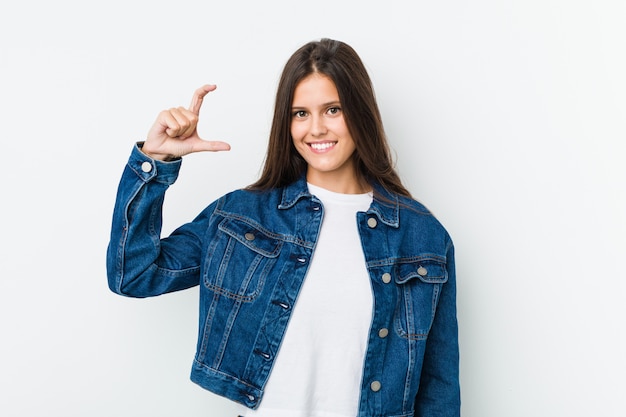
155 155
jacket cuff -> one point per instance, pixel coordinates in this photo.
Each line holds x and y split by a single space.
149 169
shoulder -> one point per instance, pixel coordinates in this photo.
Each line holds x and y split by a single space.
246 196
415 214
249 204
412 205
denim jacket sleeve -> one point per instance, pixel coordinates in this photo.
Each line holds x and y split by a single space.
139 262
439 391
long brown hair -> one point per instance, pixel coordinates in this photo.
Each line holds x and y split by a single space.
339 62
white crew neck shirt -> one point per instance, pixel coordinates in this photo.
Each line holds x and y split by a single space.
319 367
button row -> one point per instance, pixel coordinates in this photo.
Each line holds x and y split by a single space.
375 386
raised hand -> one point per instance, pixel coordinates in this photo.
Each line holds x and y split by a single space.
174 133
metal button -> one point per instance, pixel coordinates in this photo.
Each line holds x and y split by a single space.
264 354
422 271
382 333
249 236
386 277
375 386
372 223
146 167
281 304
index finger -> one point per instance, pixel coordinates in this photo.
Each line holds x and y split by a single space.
198 96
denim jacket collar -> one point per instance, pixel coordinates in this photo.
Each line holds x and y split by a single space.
385 205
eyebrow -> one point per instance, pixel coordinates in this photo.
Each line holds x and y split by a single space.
330 103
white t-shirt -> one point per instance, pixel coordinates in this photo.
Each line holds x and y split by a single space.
318 370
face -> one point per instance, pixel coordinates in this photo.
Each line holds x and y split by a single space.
321 136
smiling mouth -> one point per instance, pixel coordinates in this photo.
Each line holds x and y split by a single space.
322 146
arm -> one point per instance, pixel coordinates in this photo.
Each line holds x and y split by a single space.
139 262
439 391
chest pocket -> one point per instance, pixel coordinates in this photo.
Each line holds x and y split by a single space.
239 260
419 284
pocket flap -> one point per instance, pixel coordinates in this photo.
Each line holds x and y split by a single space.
429 271
252 237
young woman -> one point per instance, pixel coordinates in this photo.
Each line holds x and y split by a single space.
325 289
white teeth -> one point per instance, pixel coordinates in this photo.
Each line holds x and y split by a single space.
322 146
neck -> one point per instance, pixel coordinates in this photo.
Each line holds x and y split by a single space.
339 184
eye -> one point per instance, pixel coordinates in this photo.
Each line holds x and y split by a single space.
334 110
299 114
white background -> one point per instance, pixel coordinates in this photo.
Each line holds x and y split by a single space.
508 121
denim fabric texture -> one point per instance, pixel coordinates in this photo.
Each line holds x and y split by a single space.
249 252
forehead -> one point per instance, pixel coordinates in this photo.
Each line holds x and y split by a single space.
315 88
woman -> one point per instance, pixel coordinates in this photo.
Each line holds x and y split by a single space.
372 330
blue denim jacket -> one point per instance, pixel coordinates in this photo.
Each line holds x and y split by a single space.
249 253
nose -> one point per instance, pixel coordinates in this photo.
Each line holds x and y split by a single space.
318 126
